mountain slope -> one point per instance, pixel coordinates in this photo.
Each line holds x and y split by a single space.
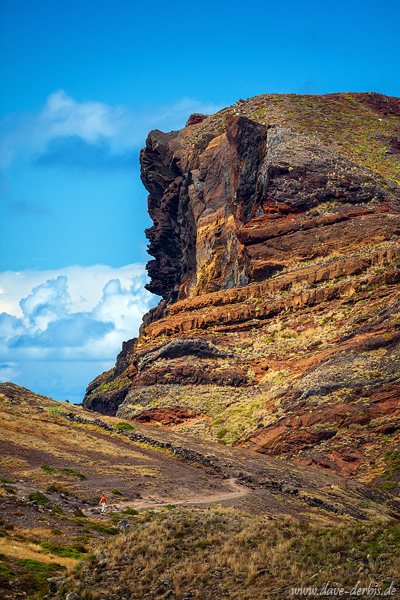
174 502
276 253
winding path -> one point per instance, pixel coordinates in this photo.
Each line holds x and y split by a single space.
238 491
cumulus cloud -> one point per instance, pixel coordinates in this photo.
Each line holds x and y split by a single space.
46 303
71 332
85 285
10 327
81 315
95 130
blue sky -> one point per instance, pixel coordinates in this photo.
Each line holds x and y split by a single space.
82 84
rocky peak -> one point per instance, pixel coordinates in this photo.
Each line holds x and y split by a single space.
203 193
275 239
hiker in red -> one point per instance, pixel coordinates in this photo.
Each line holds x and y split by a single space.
103 501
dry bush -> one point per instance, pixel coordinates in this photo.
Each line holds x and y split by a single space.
210 552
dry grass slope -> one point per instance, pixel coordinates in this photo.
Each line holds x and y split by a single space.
223 553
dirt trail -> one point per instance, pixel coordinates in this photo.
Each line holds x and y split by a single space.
237 491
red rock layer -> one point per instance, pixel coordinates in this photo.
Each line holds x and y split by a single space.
277 257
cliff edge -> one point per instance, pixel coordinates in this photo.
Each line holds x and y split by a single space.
276 250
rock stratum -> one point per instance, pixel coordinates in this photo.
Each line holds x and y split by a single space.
275 239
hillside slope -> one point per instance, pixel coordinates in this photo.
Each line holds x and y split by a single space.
172 502
277 257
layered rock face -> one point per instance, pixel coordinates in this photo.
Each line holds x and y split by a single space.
277 257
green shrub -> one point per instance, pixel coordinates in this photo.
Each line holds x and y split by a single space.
124 426
103 528
55 411
117 492
64 551
35 565
39 497
130 511
48 469
6 574
73 473
389 485
66 470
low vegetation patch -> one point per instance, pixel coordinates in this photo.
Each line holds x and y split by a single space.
48 469
103 528
130 511
7 573
73 473
55 488
29 575
35 565
124 426
77 551
39 498
221 552
66 470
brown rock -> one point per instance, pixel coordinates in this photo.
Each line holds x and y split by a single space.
276 253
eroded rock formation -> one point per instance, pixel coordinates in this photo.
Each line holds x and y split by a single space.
277 257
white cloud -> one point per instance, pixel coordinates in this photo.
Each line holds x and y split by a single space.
85 284
46 303
63 116
120 126
77 314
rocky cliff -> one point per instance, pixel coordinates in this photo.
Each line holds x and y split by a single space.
277 257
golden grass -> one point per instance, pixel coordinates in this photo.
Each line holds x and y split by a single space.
23 550
36 532
13 464
124 470
64 442
217 550
41 477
